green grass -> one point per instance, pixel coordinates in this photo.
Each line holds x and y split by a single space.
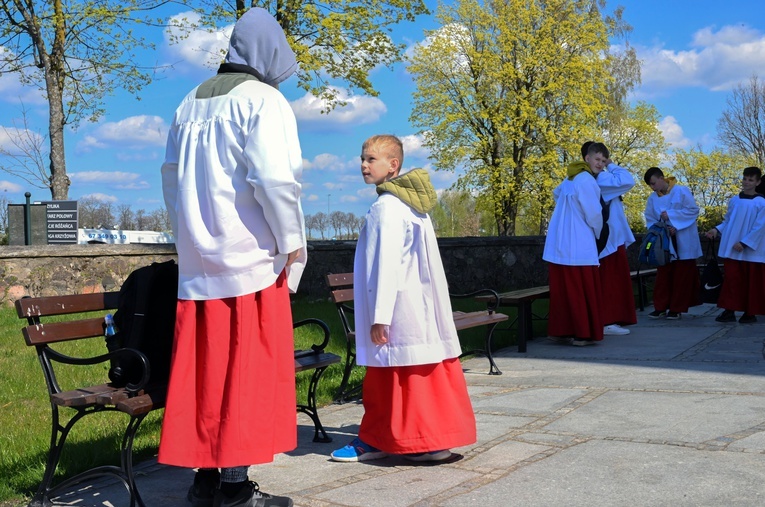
25 409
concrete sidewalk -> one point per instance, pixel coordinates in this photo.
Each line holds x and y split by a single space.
671 415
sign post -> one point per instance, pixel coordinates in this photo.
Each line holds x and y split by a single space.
61 219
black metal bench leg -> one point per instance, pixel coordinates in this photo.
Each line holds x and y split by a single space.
57 438
641 293
343 393
126 458
493 368
312 411
524 325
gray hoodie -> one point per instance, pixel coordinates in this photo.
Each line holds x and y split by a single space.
259 42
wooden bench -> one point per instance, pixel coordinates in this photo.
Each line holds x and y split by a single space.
341 290
523 300
642 276
136 400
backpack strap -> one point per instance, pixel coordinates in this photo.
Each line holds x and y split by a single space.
141 303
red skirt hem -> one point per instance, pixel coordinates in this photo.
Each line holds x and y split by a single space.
413 409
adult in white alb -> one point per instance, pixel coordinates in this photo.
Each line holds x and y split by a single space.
231 185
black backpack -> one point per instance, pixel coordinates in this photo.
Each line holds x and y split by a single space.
145 321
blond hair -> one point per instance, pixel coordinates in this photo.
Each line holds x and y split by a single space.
389 145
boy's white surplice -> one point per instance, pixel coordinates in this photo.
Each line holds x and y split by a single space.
682 211
398 266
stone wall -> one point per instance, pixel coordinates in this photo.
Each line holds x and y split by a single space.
470 263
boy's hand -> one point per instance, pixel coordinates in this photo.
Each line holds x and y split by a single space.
664 216
671 230
739 247
377 333
711 233
292 257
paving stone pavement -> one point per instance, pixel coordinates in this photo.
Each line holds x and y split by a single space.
672 414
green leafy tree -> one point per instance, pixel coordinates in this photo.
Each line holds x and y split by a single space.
633 137
76 53
333 39
712 177
508 90
456 215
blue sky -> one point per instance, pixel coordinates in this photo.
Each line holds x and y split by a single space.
693 53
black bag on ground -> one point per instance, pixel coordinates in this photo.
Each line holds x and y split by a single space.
145 321
711 277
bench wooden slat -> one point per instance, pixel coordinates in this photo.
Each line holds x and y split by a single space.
139 405
63 305
342 295
54 332
83 396
313 360
340 280
480 318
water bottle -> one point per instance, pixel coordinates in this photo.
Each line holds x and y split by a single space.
110 336
109 321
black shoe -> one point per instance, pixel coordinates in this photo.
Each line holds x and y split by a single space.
251 496
656 314
673 315
202 492
747 319
726 316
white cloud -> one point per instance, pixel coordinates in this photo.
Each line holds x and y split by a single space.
101 197
134 132
358 110
15 141
311 198
10 187
331 185
349 198
115 179
11 88
673 133
195 46
718 60
413 146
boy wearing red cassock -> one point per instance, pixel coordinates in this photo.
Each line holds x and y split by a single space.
743 249
415 397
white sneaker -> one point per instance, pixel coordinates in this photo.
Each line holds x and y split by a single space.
615 329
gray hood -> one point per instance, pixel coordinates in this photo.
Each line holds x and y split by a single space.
259 42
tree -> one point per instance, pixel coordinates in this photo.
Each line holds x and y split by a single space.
25 153
76 53
320 222
125 217
742 125
712 177
455 215
506 90
333 40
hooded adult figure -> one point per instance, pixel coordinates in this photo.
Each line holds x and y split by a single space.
231 186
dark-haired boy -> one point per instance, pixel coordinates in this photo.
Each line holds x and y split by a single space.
677 284
741 247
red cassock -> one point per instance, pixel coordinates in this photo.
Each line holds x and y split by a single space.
231 395
421 408
743 287
617 296
575 302
677 286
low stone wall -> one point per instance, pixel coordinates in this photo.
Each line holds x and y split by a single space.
470 264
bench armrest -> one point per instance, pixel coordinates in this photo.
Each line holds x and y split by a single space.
324 327
50 354
491 305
